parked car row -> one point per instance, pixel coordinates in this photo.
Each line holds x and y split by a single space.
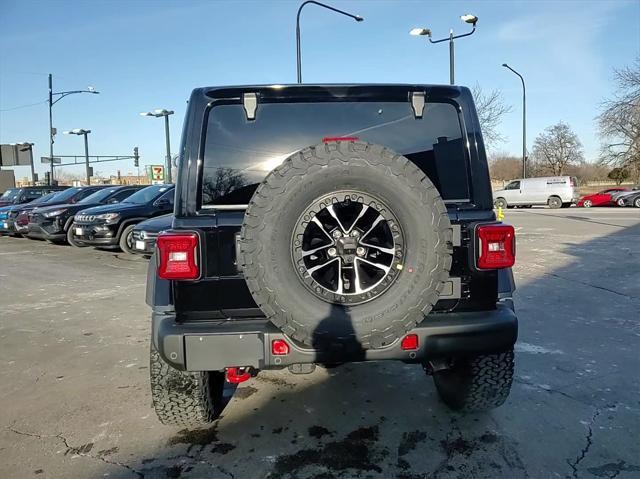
618 196
560 192
102 216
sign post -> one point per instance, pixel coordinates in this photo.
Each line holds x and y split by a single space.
156 174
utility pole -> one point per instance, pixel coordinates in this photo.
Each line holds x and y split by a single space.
51 134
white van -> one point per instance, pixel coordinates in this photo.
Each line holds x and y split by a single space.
555 191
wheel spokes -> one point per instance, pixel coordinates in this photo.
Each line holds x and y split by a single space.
383 267
335 217
391 251
319 266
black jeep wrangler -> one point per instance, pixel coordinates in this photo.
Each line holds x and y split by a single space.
325 224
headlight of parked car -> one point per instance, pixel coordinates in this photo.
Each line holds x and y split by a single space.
51 214
109 217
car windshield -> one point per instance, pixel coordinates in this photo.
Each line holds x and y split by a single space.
98 197
45 199
147 194
67 194
10 195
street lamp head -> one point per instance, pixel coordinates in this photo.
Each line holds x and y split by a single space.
468 18
505 65
416 32
93 90
158 113
358 18
77 131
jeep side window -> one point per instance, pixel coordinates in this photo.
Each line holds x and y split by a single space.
514 185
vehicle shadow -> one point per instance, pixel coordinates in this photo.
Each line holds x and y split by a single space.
578 342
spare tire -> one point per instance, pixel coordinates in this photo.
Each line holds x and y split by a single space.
346 242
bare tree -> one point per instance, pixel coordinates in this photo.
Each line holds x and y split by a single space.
557 147
221 183
504 167
491 108
619 121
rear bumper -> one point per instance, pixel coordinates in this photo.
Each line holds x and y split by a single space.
215 345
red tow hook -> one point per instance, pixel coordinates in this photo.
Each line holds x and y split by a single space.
237 375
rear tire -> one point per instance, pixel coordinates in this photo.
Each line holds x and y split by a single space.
71 240
501 203
554 202
636 203
183 398
477 383
126 240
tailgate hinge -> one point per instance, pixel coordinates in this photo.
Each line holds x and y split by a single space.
250 104
418 100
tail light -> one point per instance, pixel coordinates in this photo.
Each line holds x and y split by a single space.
496 246
279 347
177 256
409 342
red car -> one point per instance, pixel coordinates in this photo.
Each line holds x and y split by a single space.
602 198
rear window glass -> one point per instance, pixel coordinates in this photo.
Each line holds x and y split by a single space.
239 153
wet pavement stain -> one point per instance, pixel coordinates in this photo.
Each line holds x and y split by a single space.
356 451
409 441
245 392
318 432
199 437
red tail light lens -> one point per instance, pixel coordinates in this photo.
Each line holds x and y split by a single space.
409 342
177 255
279 347
497 246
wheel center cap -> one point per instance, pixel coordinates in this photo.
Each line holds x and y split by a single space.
346 245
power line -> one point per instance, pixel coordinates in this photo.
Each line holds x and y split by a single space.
24 106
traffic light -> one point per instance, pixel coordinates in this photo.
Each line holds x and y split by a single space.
136 157
47 177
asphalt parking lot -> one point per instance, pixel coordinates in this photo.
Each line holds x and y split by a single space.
75 400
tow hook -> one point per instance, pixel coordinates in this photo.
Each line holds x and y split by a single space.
237 375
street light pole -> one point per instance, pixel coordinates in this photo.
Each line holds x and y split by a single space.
168 161
50 129
157 114
85 133
51 102
357 18
524 121
86 156
471 19
452 62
